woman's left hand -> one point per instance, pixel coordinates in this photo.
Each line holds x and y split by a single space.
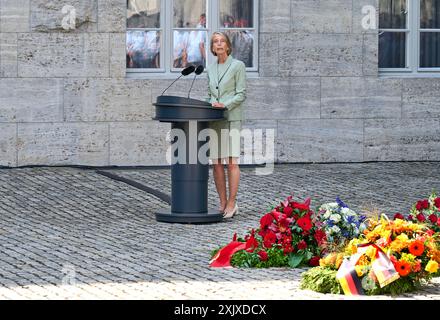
218 105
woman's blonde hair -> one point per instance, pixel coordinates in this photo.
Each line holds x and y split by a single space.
228 42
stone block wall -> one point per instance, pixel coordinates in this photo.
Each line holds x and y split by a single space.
65 97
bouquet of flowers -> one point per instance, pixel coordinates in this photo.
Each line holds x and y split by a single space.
390 257
286 237
340 223
427 211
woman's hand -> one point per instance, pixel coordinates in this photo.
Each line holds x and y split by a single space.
218 105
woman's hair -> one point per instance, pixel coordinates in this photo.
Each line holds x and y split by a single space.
228 42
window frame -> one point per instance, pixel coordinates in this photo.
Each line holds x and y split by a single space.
413 31
212 24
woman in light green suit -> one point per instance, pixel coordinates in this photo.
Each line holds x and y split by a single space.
226 89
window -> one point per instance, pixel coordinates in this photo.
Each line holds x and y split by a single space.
164 36
409 36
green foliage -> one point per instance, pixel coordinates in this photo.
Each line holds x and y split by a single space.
400 286
321 279
295 259
244 259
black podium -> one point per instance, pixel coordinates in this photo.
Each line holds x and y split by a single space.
189 180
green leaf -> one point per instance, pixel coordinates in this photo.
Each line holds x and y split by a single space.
308 255
295 259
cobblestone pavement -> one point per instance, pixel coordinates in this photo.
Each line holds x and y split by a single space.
70 233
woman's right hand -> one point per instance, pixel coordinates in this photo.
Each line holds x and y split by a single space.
218 105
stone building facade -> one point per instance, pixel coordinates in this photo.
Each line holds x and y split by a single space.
66 99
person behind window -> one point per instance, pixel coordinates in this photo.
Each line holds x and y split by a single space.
135 47
151 50
226 90
195 49
180 43
202 21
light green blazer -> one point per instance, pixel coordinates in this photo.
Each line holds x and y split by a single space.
231 89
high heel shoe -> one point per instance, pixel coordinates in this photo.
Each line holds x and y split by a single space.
231 214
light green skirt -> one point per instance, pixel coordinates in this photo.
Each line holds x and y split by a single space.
229 145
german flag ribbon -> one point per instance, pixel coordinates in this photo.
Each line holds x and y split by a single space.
348 278
382 266
222 259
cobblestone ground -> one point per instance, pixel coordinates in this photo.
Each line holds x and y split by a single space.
68 233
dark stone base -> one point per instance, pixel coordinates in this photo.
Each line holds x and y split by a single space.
166 215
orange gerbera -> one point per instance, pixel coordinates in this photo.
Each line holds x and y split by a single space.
403 268
416 248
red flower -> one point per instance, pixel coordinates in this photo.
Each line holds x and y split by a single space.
422 204
251 244
284 225
425 204
433 218
399 216
302 245
288 211
314 262
416 248
319 236
266 220
410 218
300 206
263 255
269 239
234 238
288 249
437 202
403 268
305 223
421 217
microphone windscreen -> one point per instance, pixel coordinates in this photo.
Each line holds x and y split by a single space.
199 69
188 70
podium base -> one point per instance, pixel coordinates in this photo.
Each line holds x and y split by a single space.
209 217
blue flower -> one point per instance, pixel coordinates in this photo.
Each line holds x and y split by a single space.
340 203
345 234
330 223
351 219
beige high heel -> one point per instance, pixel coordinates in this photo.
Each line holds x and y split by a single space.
231 214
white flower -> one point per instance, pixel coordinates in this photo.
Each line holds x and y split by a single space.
335 229
335 218
345 211
327 214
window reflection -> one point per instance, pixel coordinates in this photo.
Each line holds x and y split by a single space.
430 49
236 13
392 14
430 14
242 45
143 49
189 48
143 13
392 50
190 14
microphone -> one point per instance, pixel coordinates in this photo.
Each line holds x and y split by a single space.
198 71
185 72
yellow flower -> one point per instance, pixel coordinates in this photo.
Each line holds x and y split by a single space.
359 270
402 237
398 245
371 252
339 260
432 266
